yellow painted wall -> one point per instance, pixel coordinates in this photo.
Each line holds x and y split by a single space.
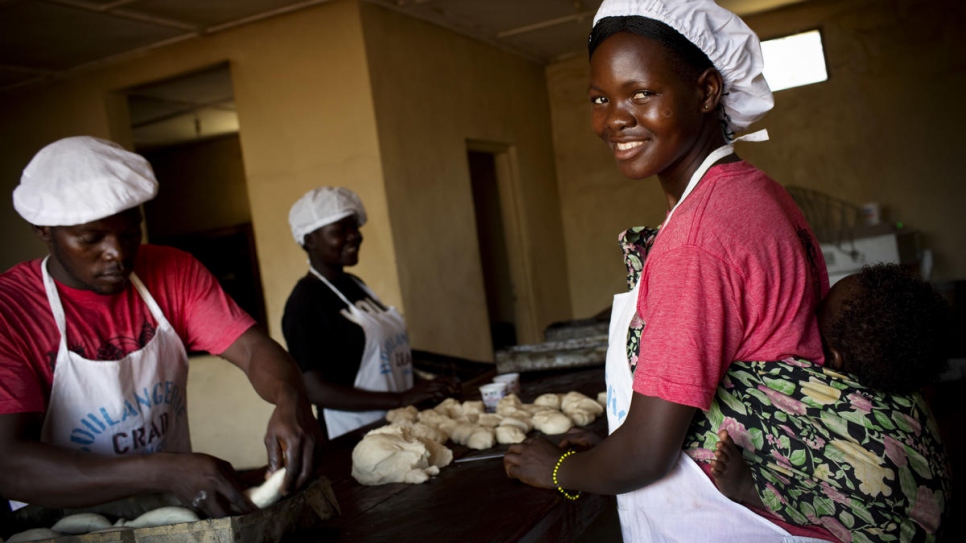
885 127
432 95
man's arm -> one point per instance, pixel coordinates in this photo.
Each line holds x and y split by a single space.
52 476
293 433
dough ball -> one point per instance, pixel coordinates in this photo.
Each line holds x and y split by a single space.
409 413
432 417
470 407
439 455
571 398
268 492
162 516
585 404
508 404
481 438
602 398
33 535
581 417
81 523
523 424
548 400
450 407
461 434
490 420
510 434
552 422
447 426
389 457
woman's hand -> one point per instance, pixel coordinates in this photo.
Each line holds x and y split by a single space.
202 482
532 462
435 390
579 438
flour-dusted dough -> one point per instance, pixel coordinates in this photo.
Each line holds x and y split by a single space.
471 407
461 434
161 516
490 420
509 434
421 430
508 404
521 419
482 438
450 407
268 492
403 413
550 400
81 523
439 455
432 418
33 535
552 422
388 455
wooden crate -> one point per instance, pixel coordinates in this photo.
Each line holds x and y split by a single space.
305 510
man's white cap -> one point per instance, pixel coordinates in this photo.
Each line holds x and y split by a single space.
322 206
82 179
731 46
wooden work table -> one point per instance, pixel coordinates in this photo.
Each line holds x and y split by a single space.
469 501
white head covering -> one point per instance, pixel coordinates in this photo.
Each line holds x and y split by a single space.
731 46
82 179
322 206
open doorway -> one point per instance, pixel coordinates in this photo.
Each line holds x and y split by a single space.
491 238
188 130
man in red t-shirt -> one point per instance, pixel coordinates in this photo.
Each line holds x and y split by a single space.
93 349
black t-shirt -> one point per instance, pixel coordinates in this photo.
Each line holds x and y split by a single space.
319 337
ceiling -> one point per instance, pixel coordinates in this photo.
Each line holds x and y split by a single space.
42 40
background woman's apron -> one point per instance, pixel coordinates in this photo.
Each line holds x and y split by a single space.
685 505
134 405
387 361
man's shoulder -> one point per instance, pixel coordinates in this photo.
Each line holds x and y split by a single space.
21 276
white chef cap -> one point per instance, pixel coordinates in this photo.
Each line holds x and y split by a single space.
82 179
322 206
731 46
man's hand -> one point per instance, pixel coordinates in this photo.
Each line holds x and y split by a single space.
202 482
292 442
532 462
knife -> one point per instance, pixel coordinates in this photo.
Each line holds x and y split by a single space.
479 457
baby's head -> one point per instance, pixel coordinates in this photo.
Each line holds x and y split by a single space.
887 327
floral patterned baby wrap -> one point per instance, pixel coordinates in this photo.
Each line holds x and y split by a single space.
822 448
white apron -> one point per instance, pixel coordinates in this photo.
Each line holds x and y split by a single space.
134 405
684 506
387 361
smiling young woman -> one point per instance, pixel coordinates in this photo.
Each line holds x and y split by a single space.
733 273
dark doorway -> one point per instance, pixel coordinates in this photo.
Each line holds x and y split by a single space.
491 237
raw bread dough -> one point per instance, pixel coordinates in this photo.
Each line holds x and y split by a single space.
508 404
470 407
490 420
33 535
602 398
461 434
481 438
422 430
160 517
552 422
403 413
509 434
548 400
268 492
439 455
389 455
450 407
520 419
81 523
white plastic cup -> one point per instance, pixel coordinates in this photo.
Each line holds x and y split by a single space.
512 381
492 393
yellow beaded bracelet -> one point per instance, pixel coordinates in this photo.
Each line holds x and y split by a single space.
555 469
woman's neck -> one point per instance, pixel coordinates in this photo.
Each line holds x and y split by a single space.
331 272
675 180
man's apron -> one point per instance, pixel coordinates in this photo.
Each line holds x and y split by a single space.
134 405
387 361
684 506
